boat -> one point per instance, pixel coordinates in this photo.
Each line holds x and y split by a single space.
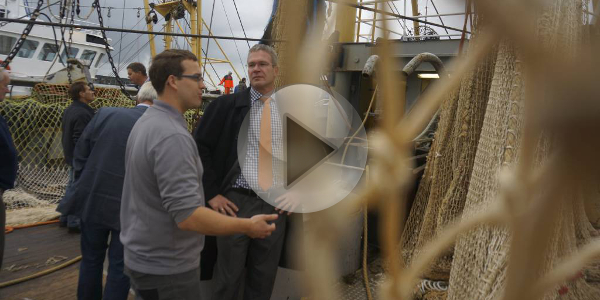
48 51
37 248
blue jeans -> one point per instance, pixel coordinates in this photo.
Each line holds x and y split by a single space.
72 221
94 242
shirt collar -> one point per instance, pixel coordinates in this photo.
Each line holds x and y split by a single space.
144 104
255 95
170 111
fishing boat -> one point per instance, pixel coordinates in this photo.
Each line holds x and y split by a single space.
45 257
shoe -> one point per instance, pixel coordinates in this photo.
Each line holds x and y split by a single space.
74 230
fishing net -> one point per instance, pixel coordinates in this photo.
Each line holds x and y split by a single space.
35 126
481 256
441 194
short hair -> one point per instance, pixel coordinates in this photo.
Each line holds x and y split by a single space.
76 88
266 48
166 64
147 93
138 68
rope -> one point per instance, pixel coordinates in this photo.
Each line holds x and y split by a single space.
10 229
234 42
365 244
208 40
40 274
441 21
363 124
240 18
121 44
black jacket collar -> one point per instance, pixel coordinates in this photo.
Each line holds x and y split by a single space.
243 99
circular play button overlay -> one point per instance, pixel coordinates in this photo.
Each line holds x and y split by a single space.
301 149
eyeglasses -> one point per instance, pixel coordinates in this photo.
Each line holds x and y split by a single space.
261 65
195 77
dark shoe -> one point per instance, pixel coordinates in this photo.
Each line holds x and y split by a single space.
74 230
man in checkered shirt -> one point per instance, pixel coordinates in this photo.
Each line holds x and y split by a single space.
232 192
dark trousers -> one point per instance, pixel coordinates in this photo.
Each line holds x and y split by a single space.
260 257
94 243
3 224
71 221
182 286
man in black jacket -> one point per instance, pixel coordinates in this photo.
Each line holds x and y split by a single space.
74 120
230 193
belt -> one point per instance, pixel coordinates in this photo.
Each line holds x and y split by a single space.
251 193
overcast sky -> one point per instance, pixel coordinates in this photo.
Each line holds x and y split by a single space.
254 15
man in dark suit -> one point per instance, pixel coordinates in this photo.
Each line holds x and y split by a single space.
229 192
95 196
74 120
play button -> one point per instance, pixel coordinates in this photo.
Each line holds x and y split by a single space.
304 149
317 154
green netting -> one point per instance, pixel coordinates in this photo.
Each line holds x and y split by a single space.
35 126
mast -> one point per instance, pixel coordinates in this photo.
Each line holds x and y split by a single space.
150 28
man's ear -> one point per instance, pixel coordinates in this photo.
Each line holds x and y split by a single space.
171 81
276 69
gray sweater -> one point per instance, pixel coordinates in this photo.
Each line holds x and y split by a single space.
162 187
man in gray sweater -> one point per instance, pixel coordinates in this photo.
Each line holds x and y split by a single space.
163 217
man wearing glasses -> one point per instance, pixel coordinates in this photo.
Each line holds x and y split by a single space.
163 218
230 192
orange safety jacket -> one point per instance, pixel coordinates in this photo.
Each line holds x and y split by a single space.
228 81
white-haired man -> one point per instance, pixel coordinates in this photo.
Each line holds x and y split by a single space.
8 160
95 196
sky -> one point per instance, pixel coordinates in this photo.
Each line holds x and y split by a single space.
254 15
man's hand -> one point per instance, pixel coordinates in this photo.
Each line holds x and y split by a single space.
222 205
259 228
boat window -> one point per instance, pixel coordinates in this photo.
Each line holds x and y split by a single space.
72 53
88 57
48 52
3 13
99 59
28 49
6 44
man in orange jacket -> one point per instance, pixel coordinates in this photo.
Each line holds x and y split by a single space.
228 80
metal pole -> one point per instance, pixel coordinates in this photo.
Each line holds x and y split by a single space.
199 30
415 11
345 20
113 29
168 29
149 26
359 19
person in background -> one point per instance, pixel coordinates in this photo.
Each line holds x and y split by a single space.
137 74
241 86
227 83
8 160
95 196
74 120
163 218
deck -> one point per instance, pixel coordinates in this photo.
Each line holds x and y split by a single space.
32 250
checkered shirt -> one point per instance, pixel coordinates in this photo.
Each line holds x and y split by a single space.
250 168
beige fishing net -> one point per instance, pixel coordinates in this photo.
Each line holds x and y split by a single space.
443 188
35 126
481 256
